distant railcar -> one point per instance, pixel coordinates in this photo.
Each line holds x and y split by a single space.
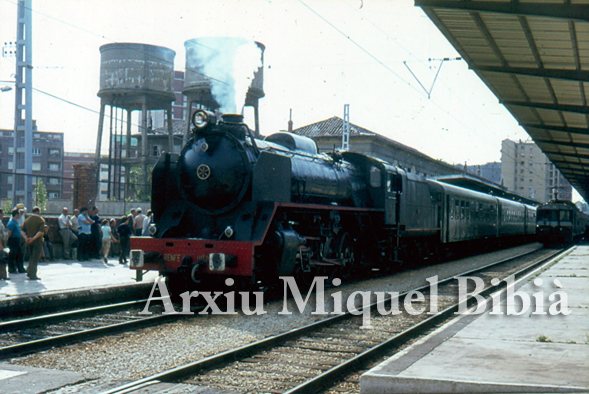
560 222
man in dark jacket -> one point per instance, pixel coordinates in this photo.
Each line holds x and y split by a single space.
95 234
34 228
125 233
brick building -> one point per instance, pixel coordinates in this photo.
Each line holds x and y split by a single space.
69 159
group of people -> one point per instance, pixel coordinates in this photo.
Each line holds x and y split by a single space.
20 233
95 236
83 232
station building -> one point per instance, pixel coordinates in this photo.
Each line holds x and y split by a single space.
327 134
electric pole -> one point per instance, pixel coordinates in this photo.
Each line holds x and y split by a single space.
22 182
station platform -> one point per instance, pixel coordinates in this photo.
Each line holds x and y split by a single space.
68 283
500 353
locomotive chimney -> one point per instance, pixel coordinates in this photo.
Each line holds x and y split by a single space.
232 118
290 122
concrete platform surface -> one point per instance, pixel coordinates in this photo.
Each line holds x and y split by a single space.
69 280
501 353
17 379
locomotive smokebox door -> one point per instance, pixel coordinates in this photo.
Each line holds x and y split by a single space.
272 178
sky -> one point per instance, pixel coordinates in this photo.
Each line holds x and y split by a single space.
319 56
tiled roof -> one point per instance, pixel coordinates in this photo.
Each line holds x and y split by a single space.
333 127
330 127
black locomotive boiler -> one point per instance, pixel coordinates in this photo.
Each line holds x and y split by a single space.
232 206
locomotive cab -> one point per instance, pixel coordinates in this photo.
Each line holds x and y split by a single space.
555 225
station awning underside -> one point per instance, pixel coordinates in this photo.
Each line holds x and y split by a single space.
534 56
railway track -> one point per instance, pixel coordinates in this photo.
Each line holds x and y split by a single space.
314 357
24 336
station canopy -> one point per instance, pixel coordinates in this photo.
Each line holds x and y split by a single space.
534 56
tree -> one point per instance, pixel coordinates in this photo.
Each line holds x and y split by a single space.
41 195
140 191
7 207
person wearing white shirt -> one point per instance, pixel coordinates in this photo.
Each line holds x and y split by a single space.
146 223
65 229
74 219
138 222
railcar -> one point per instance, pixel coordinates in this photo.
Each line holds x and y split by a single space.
476 221
560 222
232 206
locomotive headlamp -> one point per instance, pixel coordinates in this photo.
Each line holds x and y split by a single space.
152 230
229 232
200 119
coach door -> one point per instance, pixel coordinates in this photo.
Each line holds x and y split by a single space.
394 189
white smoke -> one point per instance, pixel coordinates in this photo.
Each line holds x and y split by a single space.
229 65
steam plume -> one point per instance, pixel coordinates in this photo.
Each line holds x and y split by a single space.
228 64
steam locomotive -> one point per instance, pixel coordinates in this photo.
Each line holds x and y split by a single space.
561 222
233 206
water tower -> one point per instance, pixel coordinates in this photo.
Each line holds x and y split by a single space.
132 77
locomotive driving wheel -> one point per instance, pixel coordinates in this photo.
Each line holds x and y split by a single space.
345 253
340 248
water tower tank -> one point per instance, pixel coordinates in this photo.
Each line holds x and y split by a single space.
139 72
206 60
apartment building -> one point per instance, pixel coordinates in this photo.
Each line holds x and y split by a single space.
47 163
527 171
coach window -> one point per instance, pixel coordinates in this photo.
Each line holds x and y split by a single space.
468 210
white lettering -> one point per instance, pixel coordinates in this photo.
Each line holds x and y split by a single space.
511 297
563 302
380 306
408 302
463 294
433 295
365 311
290 282
160 282
245 303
